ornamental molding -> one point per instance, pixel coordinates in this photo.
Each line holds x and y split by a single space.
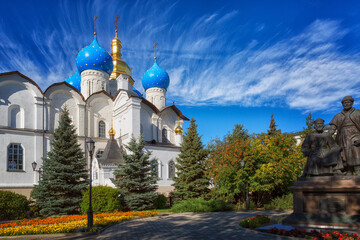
155 89
94 72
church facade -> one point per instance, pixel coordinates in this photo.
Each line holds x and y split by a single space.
99 96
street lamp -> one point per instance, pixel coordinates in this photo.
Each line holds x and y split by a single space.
247 187
34 164
90 145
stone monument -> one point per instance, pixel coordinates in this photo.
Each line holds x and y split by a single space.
327 195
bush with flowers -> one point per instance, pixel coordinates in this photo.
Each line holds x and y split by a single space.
66 224
259 220
255 222
315 235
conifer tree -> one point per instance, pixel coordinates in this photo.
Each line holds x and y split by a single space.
309 126
272 128
64 176
191 181
135 179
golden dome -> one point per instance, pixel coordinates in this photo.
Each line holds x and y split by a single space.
178 130
120 66
112 131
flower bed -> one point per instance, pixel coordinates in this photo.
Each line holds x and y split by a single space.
66 224
315 234
260 220
255 222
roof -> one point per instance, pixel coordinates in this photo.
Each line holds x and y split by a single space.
23 76
177 111
112 153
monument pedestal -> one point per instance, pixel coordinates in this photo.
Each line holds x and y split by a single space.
329 202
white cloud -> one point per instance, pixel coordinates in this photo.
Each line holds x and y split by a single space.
306 71
209 60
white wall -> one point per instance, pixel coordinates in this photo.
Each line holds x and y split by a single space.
164 155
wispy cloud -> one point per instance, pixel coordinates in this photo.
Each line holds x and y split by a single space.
306 71
208 57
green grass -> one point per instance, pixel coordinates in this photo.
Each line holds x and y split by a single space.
284 202
201 205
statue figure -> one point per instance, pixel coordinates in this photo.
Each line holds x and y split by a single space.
347 124
322 151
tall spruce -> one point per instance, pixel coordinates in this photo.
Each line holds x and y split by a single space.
136 179
191 181
64 176
309 126
272 127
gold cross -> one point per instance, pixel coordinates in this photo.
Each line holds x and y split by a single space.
155 49
95 24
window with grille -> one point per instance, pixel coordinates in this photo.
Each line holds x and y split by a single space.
171 170
102 129
15 157
155 167
164 135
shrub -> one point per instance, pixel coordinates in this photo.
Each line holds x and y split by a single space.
242 205
104 199
255 222
12 206
160 201
201 205
280 203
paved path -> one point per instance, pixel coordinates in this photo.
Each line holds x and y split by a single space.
221 225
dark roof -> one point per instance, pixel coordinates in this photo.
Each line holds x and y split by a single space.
112 153
66 84
23 76
177 111
158 144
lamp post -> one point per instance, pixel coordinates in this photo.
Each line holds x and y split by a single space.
34 164
247 187
90 145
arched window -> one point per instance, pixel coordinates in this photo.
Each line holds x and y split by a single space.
102 129
14 116
155 167
15 157
164 135
171 170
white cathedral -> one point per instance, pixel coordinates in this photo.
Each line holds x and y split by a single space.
103 105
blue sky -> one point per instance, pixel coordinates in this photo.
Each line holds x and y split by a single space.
228 61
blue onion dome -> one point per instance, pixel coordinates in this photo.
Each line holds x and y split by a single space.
137 92
94 57
75 80
155 77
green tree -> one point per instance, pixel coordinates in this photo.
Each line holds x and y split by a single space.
309 126
272 165
191 181
135 179
64 178
224 164
272 127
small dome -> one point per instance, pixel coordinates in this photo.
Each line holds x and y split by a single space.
178 130
155 77
137 92
112 131
94 57
75 80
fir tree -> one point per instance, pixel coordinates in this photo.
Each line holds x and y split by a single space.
191 181
309 126
64 176
136 179
272 128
